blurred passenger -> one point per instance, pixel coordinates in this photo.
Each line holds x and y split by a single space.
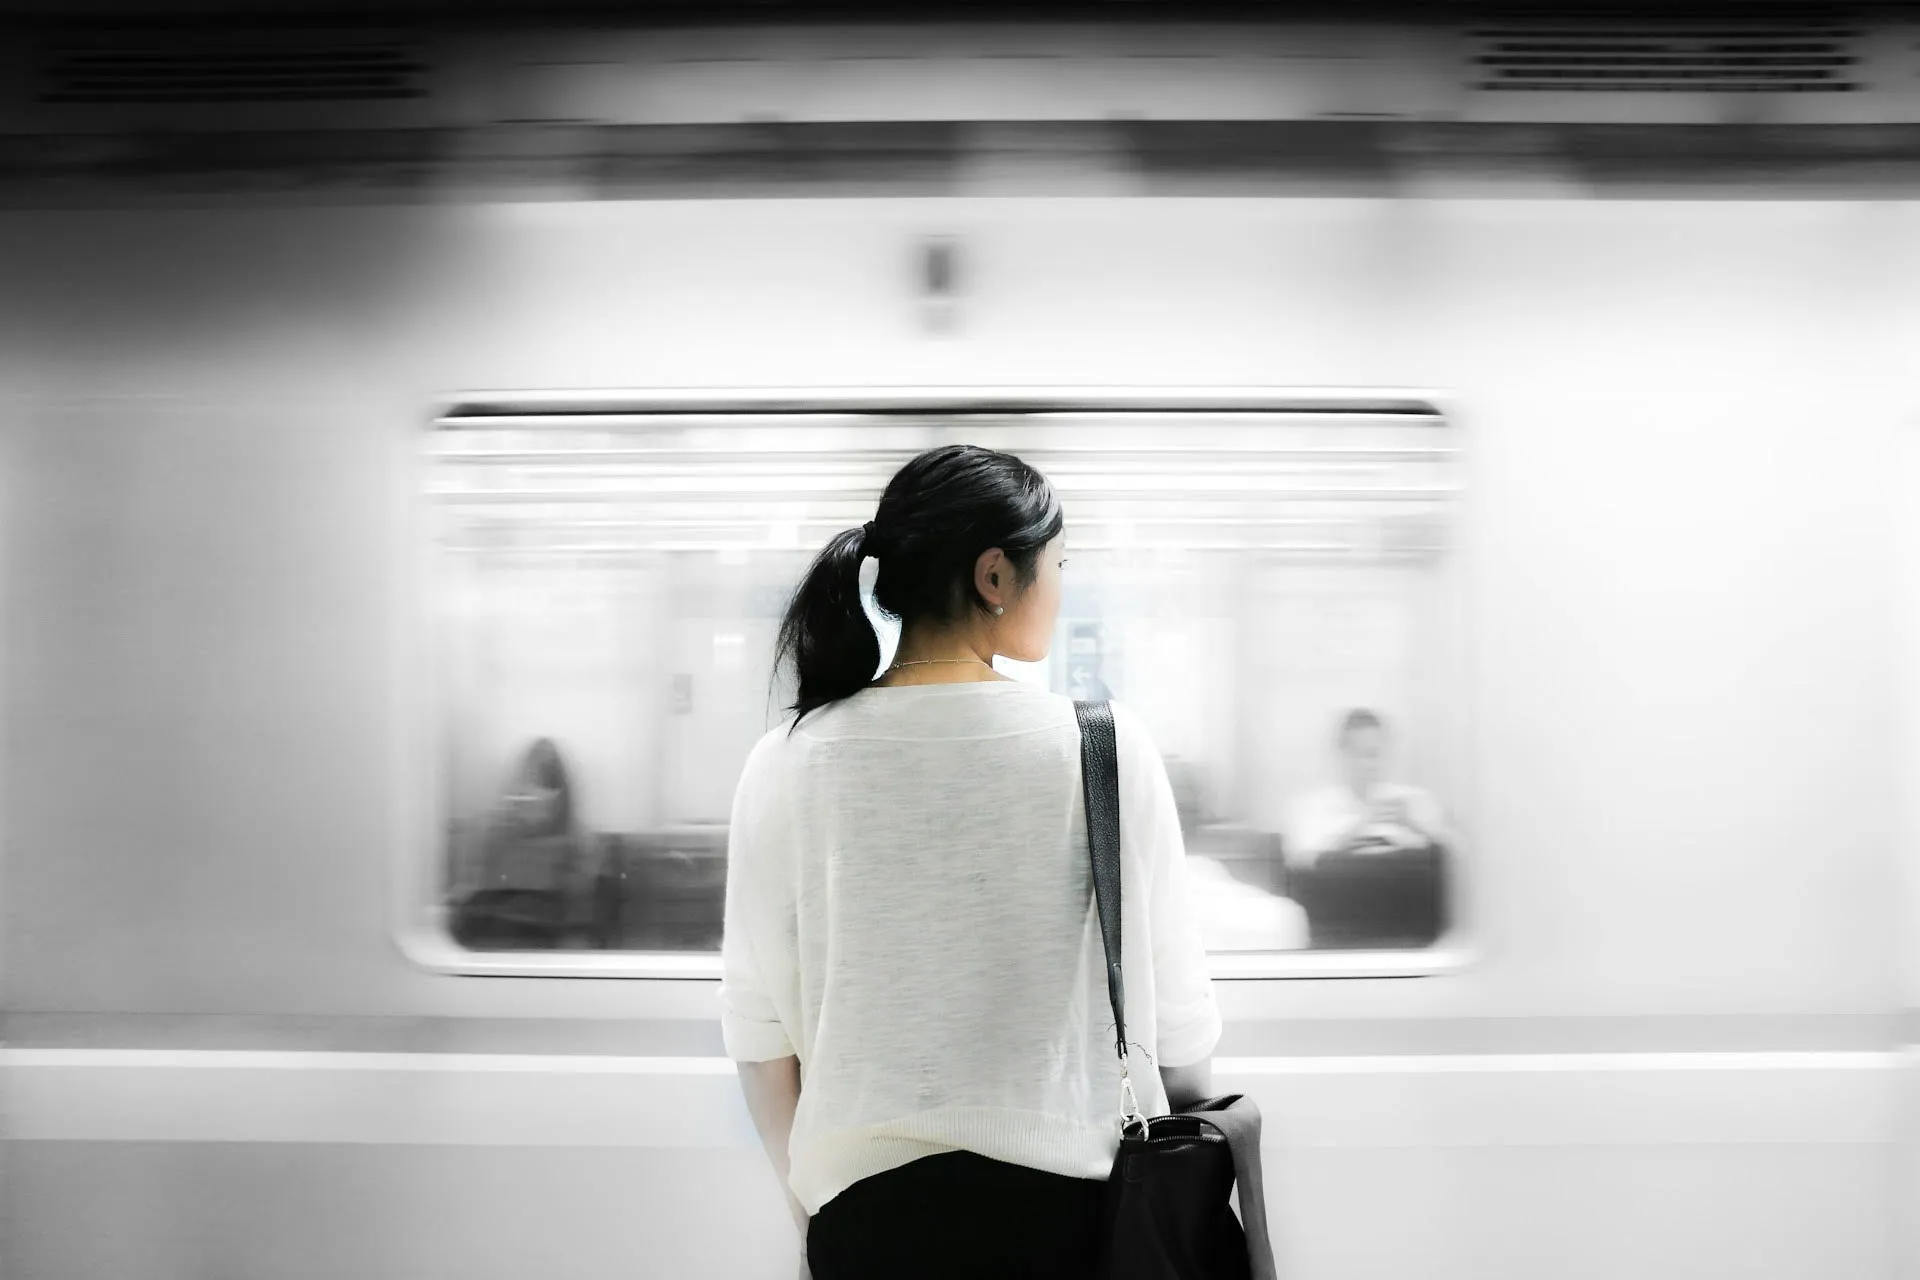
909 906
532 890
1362 813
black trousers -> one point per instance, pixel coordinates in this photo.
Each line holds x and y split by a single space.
958 1214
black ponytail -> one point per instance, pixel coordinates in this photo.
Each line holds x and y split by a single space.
938 514
826 635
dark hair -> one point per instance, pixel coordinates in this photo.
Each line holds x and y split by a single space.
938 514
1357 719
541 766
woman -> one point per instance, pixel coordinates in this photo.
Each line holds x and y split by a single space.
909 907
530 894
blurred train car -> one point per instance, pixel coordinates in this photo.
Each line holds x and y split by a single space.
1546 386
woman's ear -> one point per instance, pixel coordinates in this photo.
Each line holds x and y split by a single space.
989 574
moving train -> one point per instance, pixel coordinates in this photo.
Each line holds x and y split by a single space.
612 573
409 432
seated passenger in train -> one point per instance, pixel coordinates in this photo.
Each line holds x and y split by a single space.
1363 813
532 891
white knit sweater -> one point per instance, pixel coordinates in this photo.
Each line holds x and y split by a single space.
910 909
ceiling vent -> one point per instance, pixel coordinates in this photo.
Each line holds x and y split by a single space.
213 66
1666 57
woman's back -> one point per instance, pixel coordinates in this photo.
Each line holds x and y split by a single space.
920 852
914 983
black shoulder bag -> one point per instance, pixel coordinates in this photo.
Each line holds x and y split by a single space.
1168 1213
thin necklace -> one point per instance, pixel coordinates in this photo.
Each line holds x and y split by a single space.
934 662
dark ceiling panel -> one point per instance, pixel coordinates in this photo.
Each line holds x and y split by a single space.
946 10
943 159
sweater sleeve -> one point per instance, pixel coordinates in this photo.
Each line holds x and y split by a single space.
1188 1020
750 1024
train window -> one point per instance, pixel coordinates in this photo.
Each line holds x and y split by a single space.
1273 586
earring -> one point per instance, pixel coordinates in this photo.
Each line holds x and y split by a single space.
998 610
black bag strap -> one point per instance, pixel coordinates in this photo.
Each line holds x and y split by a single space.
1100 779
1234 1118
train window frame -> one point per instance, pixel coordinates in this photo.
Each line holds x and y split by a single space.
417 912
